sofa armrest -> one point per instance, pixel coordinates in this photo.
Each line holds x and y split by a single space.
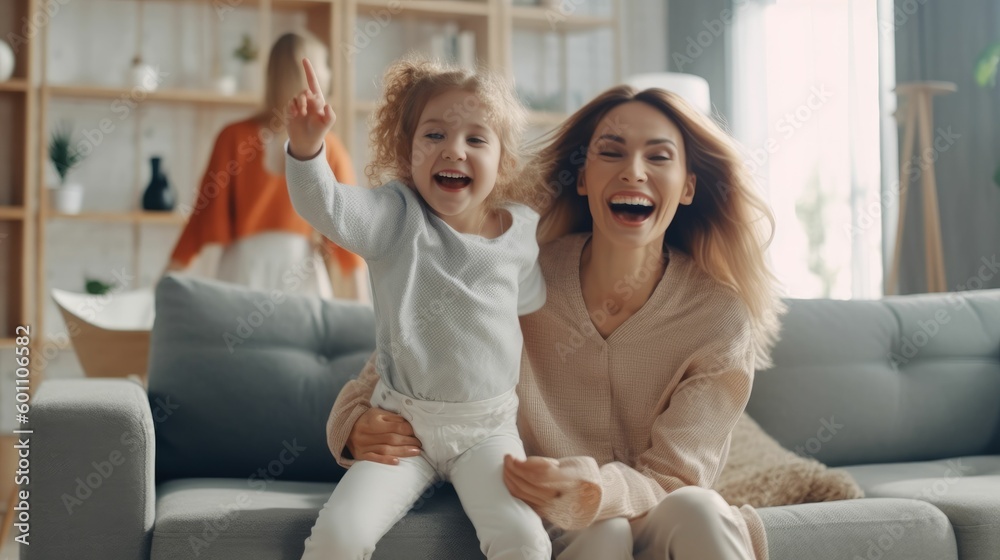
91 488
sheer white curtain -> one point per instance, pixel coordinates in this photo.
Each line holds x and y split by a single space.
805 95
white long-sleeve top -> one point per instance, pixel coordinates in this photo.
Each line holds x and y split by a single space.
446 303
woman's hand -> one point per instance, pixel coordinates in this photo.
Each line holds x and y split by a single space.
382 437
537 481
309 118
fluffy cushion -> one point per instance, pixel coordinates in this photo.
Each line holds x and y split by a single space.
241 381
761 473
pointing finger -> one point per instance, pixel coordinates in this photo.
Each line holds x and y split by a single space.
313 81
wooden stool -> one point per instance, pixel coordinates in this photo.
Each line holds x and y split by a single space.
917 111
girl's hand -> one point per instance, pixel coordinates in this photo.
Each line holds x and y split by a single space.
382 437
309 118
536 481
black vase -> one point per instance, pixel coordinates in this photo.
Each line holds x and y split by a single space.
159 195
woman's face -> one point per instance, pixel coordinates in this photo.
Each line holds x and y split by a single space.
635 175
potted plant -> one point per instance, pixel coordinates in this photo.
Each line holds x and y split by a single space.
247 53
986 76
142 76
67 197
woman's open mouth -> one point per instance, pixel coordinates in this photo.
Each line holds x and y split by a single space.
452 180
631 210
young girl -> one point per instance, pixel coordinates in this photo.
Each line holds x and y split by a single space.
452 267
243 202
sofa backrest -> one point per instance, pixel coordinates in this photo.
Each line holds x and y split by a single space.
905 378
241 381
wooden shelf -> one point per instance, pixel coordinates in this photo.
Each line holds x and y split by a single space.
15 85
12 213
137 216
437 8
548 19
198 97
299 4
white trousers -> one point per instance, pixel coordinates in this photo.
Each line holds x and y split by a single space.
462 442
689 524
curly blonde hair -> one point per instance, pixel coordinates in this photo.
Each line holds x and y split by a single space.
726 228
408 85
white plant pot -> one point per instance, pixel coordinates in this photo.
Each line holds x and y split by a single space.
143 77
67 199
226 85
6 62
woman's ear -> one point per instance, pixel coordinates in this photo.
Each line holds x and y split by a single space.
581 187
688 195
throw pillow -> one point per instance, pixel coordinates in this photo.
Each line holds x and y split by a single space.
762 473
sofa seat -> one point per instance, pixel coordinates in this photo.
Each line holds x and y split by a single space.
237 519
966 489
864 529
231 519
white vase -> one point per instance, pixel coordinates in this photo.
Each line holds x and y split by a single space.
67 199
143 77
226 85
6 62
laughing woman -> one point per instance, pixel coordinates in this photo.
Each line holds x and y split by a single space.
640 363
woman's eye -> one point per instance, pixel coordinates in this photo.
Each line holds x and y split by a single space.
609 154
434 136
659 158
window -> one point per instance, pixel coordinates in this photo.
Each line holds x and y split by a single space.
805 76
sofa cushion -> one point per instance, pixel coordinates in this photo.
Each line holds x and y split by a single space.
868 529
241 381
966 489
761 473
226 519
908 378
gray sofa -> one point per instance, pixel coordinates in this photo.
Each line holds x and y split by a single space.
225 457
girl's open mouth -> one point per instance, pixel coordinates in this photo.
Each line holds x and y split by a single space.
452 181
631 210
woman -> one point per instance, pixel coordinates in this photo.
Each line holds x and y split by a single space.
641 361
243 202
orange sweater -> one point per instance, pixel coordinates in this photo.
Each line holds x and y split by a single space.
239 197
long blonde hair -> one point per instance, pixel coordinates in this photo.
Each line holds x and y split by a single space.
408 85
285 77
727 227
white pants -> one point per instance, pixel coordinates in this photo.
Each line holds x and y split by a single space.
689 524
462 442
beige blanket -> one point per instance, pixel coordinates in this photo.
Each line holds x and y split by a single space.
761 473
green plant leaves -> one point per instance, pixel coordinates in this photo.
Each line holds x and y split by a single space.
986 66
62 152
97 287
247 51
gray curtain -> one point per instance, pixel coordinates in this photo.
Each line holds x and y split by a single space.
940 40
698 38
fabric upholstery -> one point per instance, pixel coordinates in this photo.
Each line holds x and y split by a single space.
902 379
248 378
966 489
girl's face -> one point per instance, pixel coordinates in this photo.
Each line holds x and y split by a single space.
635 175
455 157
317 55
